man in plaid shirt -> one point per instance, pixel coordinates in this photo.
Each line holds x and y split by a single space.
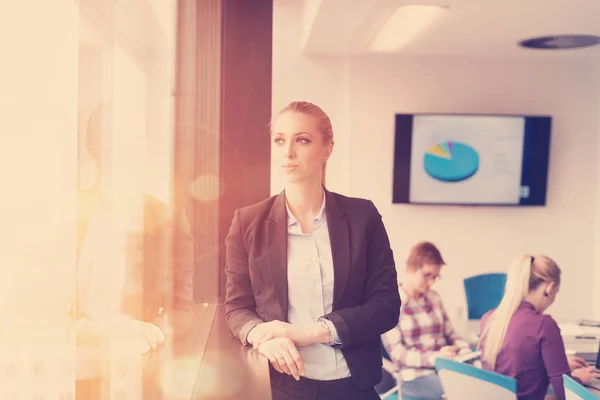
424 331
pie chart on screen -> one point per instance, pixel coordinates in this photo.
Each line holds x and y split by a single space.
451 161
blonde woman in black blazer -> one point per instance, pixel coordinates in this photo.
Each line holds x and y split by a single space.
311 279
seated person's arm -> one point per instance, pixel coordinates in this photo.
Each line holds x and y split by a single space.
553 353
406 357
452 337
175 320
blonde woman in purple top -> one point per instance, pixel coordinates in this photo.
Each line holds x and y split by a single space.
518 340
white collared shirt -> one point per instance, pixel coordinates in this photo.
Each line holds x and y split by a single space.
310 293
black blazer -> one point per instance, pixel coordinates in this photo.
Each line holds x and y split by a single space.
366 301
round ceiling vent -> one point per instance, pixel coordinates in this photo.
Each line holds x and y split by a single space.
559 42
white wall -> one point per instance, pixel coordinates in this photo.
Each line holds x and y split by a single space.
363 94
485 239
38 171
322 81
38 161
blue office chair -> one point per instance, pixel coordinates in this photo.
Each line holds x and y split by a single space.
484 292
462 381
389 387
575 391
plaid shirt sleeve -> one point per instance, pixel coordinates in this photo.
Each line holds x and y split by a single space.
404 357
451 336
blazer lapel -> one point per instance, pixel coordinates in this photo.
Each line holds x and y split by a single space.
339 236
276 231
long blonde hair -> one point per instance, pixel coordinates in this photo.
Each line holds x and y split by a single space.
525 274
323 123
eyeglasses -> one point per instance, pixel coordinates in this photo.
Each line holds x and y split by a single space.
429 276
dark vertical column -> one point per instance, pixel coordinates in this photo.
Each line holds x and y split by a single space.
222 108
197 124
246 64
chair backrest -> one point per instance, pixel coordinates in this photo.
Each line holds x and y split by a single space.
575 391
484 292
465 382
388 388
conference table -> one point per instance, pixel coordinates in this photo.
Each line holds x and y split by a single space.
207 363
580 339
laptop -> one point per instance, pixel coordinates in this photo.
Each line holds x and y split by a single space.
592 359
469 357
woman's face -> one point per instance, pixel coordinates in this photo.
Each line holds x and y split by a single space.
298 149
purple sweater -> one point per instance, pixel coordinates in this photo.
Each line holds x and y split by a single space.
533 353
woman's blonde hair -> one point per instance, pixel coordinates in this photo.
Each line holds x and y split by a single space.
525 274
323 122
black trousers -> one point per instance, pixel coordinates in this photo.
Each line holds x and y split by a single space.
285 387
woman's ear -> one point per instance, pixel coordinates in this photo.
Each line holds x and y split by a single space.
328 150
550 288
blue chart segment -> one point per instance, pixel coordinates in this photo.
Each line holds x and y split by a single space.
451 162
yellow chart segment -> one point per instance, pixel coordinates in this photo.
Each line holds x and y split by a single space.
439 151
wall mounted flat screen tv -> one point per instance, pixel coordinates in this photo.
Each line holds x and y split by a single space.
471 159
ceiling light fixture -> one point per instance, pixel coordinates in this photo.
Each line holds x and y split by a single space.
405 24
